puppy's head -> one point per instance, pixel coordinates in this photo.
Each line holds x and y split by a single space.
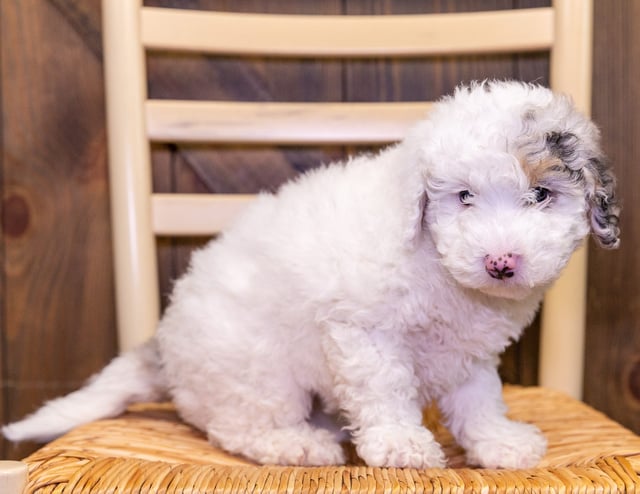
515 180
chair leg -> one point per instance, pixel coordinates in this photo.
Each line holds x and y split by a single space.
13 477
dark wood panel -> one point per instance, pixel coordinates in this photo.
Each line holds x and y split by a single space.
58 290
57 318
612 377
3 229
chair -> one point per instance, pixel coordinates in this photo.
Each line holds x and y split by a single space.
149 449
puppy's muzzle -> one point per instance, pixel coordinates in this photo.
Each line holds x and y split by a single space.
501 266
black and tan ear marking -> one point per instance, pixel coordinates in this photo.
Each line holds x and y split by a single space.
604 208
563 145
599 183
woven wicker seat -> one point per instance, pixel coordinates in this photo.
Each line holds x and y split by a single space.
149 449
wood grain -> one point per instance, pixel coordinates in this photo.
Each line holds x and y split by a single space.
612 377
57 319
58 295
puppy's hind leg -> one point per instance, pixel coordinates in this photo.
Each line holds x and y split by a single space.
274 431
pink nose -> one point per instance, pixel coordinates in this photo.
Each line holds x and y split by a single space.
502 266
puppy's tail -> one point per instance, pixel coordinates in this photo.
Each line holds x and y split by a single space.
130 378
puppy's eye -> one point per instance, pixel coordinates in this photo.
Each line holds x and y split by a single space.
465 197
541 194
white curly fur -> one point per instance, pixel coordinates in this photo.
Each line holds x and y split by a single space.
365 285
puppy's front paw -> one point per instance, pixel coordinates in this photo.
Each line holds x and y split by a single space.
398 446
509 445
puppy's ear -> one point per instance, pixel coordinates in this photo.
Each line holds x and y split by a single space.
563 145
599 183
603 207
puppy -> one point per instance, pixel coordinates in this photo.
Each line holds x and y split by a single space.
374 287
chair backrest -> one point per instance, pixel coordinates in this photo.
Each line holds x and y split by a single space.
134 121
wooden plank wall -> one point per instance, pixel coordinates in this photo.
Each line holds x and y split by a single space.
57 322
612 380
57 287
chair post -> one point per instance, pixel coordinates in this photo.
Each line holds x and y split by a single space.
136 278
563 319
13 477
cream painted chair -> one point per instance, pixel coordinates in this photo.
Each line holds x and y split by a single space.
135 121
149 450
